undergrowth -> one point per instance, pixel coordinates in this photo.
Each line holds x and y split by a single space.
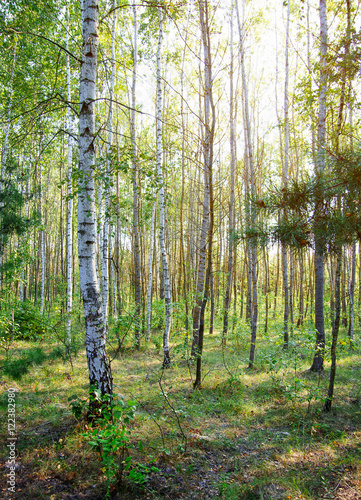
245 434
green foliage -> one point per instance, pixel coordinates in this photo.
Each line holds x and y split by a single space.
78 406
8 330
110 437
16 368
30 323
158 314
123 327
324 208
13 222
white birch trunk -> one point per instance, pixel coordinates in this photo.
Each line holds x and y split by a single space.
25 190
286 287
208 127
98 364
136 239
318 359
105 230
203 239
114 280
249 153
150 272
69 222
228 293
162 221
42 252
351 274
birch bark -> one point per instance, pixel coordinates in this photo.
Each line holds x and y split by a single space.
335 330
150 271
227 298
69 234
208 213
286 287
137 255
206 197
318 359
252 262
98 364
162 200
105 230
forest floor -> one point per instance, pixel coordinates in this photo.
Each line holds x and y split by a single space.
246 434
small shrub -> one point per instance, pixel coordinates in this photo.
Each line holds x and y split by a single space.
16 368
8 330
30 322
110 437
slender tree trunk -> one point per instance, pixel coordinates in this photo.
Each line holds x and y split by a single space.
301 306
150 271
42 243
136 251
104 258
351 289
318 359
286 287
69 220
276 281
231 223
162 208
252 217
182 250
98 364
266 286
335 330
206 237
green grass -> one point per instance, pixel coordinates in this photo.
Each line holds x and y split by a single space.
246 434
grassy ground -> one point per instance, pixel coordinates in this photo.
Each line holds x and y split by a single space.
256 434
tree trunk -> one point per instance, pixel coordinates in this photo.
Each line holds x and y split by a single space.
286 287
150 271
252 263
228 294
104 258
205 254
162 208
335 329
351 289
69 220
98 364
136 250
318 359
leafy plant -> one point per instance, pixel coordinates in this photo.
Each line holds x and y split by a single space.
31 325
7 330
16 368
77 406
110 437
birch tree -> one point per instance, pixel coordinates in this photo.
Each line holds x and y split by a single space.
318 359
69 222
206 235
252 248
98 363
105 230
136 242
162 198
231 223
150 271
285 184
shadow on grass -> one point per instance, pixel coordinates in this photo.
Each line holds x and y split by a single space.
34 356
